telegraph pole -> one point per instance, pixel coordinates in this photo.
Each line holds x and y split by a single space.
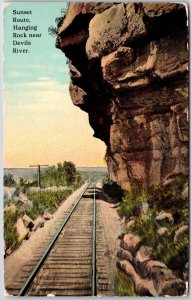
38 172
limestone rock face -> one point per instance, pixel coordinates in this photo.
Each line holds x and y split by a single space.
105 31
129 72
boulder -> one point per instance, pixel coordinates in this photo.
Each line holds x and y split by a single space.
21 229
28 221
185 193
131 243
11 207
130 224
125 254
165 281
181 233
175 287
47 216
147 267
142 286
151 264
163 230
143 254
165 217
9 192
38 223
8 251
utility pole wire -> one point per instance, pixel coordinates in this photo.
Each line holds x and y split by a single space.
38 172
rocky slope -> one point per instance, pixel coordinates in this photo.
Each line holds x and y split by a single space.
129 72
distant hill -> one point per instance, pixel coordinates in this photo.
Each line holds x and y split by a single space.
28 173
92 169
25 173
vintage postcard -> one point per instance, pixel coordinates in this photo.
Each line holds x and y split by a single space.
96 149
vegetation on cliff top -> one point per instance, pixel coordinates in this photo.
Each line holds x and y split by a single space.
52 30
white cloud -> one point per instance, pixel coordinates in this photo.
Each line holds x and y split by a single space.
44 83
59 54
52 68
15 74
51 85
44 78
37 96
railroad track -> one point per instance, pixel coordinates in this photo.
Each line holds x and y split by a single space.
70 265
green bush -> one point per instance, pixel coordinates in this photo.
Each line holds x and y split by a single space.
123 285
146 229
179 257
8 180
61 175
10 231
46 201
169 198
131 204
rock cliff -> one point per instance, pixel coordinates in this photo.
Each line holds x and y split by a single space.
129 72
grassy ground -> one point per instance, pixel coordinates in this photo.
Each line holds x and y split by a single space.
123 285
42 201
10 232
46 201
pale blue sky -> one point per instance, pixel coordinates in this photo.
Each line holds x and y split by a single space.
41 125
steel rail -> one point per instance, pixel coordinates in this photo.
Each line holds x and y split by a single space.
94 292
31 277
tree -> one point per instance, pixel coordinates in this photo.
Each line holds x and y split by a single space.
8 180
70 172
61 174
